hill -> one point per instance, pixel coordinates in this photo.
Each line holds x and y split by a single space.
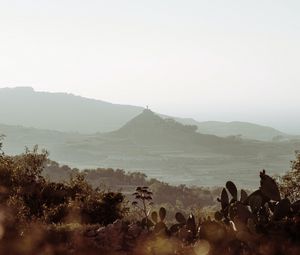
161 148
245 130
16 138
61 111
149 128
69 113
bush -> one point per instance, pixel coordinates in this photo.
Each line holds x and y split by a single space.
32 197
290 181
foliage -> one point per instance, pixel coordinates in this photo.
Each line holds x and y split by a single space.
32 197
38 216
290 181
260 223
175 198
1 144
143 201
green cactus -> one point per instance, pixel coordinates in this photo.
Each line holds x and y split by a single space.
186 229
180 218
232 189
224 199
181 222
269 187
158 219
244 196
255 203
154 216
191 224
282 209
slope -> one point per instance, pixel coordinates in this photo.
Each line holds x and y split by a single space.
61 111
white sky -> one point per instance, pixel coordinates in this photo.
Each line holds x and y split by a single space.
210 60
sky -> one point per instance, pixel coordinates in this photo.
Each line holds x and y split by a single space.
209 60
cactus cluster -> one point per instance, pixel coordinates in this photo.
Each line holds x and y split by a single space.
159 226
188 230
243 223
263 211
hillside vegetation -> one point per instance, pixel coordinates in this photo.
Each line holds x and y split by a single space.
173 197
159 148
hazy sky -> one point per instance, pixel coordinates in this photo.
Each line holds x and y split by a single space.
211 60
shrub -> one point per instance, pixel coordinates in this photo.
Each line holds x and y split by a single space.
32 197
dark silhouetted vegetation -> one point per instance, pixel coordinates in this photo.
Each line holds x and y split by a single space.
33 197
290 182
42 216
176 197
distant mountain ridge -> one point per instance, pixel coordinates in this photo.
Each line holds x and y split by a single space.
61 111
246 130
69 113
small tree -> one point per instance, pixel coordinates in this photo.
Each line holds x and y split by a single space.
143 201
290 181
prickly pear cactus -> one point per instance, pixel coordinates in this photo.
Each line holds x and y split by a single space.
269 187
158 219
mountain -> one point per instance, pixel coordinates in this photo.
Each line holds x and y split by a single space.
17 138
61 111
245 130
151 129
69 113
